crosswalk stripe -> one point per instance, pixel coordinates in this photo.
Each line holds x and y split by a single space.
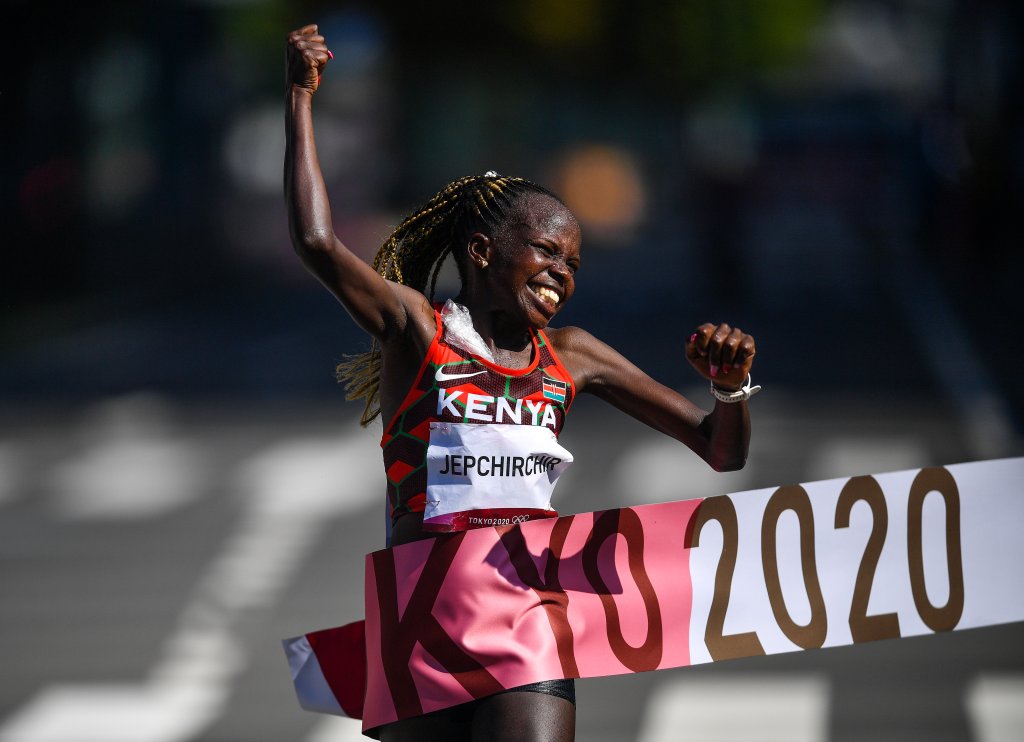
134 464
659 469
748 708
995 707
336 729
849 456
127 479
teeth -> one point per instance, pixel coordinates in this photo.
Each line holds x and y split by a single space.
547 295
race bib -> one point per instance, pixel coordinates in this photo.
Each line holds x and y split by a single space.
490 475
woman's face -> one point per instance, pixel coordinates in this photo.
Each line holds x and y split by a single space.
534 260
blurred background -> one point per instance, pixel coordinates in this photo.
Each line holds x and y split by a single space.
181 481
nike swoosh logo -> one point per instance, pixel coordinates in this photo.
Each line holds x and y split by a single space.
442 376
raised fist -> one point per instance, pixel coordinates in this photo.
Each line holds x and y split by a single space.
306 58
721 354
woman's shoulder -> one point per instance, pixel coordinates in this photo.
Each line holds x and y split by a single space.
569 339
578 350
590 361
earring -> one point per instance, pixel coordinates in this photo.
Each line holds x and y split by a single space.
483 263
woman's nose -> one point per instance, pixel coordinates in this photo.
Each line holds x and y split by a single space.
560 270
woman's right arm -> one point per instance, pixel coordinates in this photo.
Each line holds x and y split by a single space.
382 308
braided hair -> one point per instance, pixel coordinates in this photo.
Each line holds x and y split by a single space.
413 254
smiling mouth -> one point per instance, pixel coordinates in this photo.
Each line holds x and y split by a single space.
548 296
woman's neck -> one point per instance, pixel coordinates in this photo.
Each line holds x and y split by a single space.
504 340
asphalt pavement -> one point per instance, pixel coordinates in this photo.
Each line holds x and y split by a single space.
153 553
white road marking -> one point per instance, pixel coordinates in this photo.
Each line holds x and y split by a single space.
290 492
127 479
133 466
118 713
995 708
848 456
748 708
336 729
659 469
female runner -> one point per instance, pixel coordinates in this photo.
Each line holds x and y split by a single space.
487 364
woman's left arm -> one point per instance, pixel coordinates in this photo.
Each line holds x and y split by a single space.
719 353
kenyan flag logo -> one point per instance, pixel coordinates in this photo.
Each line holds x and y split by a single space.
554 390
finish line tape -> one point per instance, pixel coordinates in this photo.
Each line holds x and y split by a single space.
822 564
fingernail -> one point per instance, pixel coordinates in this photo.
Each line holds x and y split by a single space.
725 369
714 370
330 54
693 337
